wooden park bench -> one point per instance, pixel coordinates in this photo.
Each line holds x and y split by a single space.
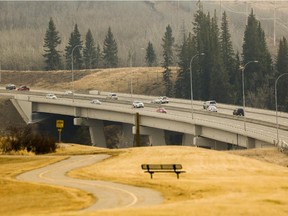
165 168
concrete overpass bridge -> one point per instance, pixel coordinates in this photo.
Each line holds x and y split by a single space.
219 130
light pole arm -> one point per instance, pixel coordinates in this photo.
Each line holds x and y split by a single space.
243 91
191 85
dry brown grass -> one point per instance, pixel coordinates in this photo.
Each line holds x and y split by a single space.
21 198
145 80
215 183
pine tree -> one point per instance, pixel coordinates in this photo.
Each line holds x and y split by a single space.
110 50
51 41
281 67
201 78
257 75
90 52
218 77
228 57
186 52
98 56
167 45
150 55
75 45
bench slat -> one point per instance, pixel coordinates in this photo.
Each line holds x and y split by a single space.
161 166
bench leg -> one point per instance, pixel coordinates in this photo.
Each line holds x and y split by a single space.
151 174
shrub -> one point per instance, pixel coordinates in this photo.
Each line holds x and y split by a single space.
21 138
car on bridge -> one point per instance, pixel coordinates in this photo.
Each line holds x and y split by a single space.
112 96
10 87
51 96
95 101
212 108
161 110
68 92
206 104
138 104
160 100
23 88
238 111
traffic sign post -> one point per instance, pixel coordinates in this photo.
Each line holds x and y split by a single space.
59 126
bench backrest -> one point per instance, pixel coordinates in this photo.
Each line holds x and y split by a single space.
161 166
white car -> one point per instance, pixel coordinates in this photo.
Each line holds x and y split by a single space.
157 101
164 99
212 108
206 104
160 100
112 96
95 101
138 104
68 92
51 96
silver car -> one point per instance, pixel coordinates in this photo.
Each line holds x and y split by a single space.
95 101
51 96
138 104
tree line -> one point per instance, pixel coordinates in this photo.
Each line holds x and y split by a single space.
206 53
91 57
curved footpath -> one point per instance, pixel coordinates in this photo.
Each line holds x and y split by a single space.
109 195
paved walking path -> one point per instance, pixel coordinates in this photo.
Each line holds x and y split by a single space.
109 195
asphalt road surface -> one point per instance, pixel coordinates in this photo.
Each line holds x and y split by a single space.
109 195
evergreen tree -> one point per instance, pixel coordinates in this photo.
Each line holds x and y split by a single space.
228 58
236 82
98 56
257 75
186 52
281 67
218 77
201 78
110 50
75 45
167 45
51 41
150 55
90 52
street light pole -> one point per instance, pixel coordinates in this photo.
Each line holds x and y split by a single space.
276 105
243 92
191 87
72 69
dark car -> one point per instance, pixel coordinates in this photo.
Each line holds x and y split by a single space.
23 88
10 87
238 112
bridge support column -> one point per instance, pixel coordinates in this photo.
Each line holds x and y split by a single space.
188 140
127 138
24 107
250 143
156 136
96 129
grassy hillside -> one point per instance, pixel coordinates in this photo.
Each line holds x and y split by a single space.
144 80
215 183
133 23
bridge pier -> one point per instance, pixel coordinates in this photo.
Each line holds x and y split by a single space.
24 107
127 137
96 129
188 140
156 136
